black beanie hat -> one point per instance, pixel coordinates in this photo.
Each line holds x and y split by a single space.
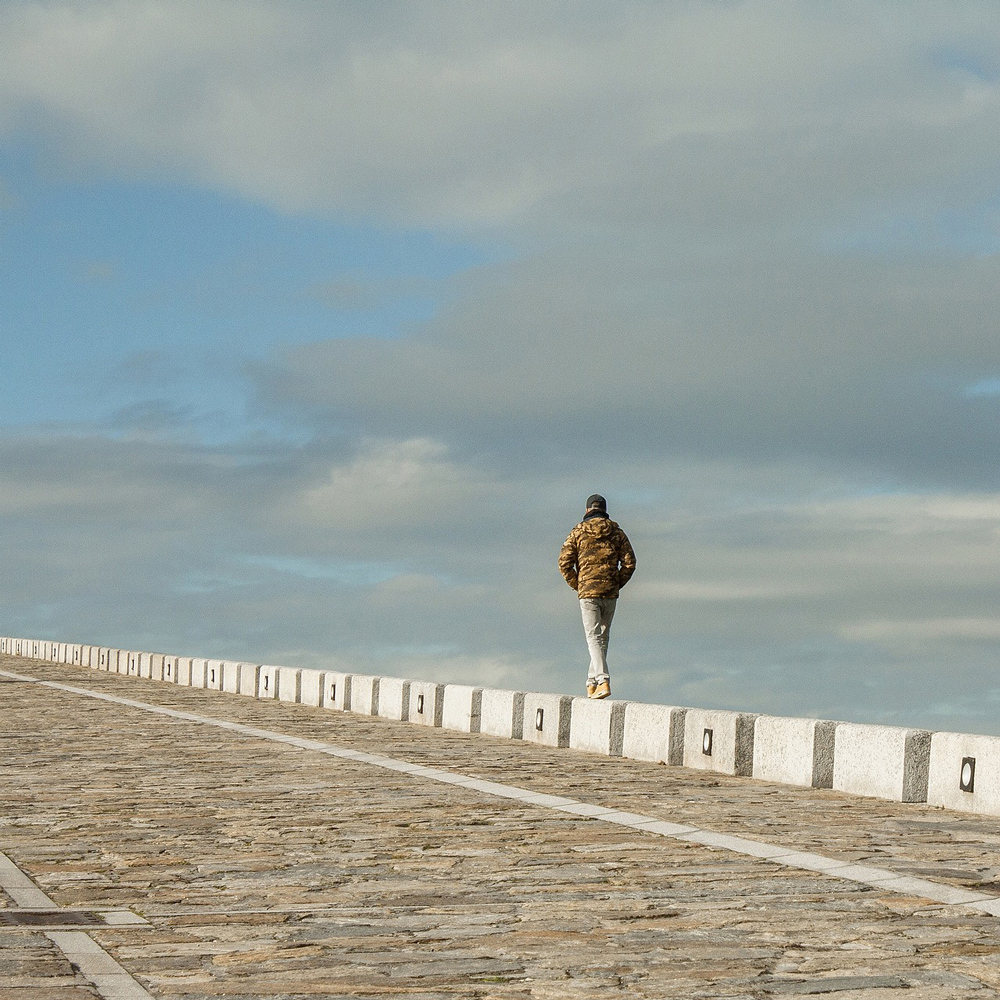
596 502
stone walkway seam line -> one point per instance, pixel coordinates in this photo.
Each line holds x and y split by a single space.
110 980
20 888
878 878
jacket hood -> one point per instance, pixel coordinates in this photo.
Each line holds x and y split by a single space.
599 527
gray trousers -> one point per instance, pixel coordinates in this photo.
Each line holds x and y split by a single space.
597 614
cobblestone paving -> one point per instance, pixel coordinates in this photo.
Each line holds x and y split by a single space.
269 872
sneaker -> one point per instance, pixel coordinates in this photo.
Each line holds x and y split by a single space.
603 690
591 687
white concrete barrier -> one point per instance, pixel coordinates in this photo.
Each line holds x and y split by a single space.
886 762
502 713
312 687
597 726
654 733
289 684
231 676
170 668
715 740
268 686
546 718
183 671
214 674
461 708
393 698
426 703
794 751
199 672
364 694
964 773
248 682
953 770
337 691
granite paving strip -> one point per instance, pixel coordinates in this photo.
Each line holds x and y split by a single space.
94 964
376 883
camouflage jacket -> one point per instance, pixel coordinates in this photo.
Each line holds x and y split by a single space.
597 559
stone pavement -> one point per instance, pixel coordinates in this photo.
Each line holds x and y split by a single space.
264 870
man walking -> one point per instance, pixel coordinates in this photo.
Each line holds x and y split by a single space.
597 561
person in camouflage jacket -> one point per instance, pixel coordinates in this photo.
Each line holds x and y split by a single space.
597 561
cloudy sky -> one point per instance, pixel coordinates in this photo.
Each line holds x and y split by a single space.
321 321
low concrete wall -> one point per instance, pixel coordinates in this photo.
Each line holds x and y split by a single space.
289 684
502 713
597 726
312 685
953 770
794 751
462 708
964 773
719 741
394 698
268 686
654 733
546 719
426 703
337 691
885 762
364 694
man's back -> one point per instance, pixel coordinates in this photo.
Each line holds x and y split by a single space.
597 559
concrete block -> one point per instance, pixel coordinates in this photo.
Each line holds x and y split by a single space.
885 762
183 671
716 740
157 667
170 669
132 660
394 698
289 684
546 718
364 694
794 751
249 679
502 713
964 773
63 652
654 733
199 673
597 726
313 687
214 674
337 691
230 676
268 686
426 703
461 708
74 654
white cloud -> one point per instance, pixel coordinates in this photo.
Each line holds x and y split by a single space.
448 113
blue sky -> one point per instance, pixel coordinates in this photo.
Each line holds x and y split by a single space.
321 321
124 291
